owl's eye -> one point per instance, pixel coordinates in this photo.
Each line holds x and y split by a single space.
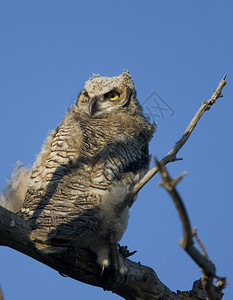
86 99
112 96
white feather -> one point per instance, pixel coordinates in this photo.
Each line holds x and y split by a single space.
13 195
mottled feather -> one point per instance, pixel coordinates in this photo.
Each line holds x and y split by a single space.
86 168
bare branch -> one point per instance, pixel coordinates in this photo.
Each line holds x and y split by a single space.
194 232
208 268
141 283
169 185
171 155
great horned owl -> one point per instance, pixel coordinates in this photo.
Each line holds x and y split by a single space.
87 167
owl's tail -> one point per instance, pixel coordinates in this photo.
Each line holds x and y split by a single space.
13 195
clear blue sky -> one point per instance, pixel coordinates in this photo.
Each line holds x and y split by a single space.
178 49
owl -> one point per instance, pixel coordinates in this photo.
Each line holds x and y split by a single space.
86 168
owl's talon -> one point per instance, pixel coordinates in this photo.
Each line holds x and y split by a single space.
113 278
105 265
123 250
115 273
102 271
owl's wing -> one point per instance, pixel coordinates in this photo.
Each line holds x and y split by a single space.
77 228
57 202
67 214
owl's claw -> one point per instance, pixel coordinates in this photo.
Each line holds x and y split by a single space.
123 250
105 265
102 271
115 273
114 276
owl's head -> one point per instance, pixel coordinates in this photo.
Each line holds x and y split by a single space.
105 96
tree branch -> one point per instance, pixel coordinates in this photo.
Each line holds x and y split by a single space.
187 243
171 155
141 283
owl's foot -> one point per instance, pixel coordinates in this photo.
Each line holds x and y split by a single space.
123 250
115 274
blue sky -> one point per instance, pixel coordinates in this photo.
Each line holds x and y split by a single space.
177 52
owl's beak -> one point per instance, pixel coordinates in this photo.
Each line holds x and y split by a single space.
92 106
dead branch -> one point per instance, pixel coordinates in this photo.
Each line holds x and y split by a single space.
187 243
141 283
171 155
194 233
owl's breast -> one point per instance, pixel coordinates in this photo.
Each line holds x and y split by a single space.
83 172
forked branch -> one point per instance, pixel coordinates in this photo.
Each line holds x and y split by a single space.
208 268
